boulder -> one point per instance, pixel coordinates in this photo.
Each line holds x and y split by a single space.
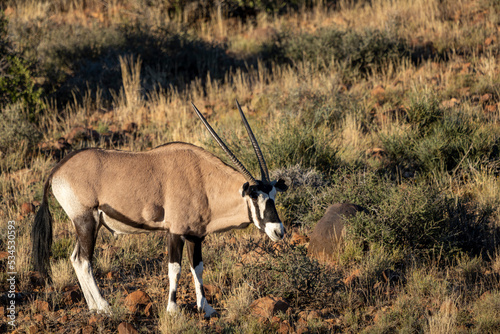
126 328
266 307
137 299
329 232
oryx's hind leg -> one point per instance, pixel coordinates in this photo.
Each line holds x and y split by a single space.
175 247
196 262
87 226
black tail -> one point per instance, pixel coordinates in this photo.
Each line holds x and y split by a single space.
41 236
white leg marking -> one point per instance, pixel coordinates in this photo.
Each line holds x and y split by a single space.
201 301
174 272
90 290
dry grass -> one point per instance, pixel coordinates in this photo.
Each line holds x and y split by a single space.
431 294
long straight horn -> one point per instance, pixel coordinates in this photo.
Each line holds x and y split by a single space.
239 166
258 152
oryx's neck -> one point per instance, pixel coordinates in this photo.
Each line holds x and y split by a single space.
229 209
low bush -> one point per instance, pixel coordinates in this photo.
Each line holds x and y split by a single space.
16 81
439 141
364 52
291 274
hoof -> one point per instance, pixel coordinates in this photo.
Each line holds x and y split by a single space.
213 314
172 308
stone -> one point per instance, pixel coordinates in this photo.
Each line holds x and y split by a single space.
266 307
38 318
27 208
298 239
485 98
71 297
87 330
130 127
148 310
81 133
378 93
94 319
126 328
212 292
453 102
353 276
3 255
490 108
137 299
41 306
328 234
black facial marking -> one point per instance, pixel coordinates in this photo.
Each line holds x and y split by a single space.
270 213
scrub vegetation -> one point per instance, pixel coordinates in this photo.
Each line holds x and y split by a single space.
391 105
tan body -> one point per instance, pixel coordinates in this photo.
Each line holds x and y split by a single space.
177 187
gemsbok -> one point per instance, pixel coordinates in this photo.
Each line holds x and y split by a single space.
176 187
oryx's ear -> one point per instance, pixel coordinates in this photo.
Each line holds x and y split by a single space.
244 189
282 184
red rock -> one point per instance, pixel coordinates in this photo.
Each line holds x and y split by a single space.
268 306
135 299
298 239
38 318
378 92
3 255
285 328
130 127
94 319
313 315
87 330
41 306
490 40
450 103
211 292
64 319
126 328
490 108
485 98
376 152
27 208
71 297
148 311
33 329
352 277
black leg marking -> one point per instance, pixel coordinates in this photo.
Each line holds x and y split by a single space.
196 262
175 247
86 229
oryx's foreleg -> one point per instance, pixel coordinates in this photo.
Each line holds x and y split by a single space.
196 262
86 229
175 247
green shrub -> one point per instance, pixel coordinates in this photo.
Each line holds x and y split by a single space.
18 136
363 52
436 141
487 313
293 275
16 82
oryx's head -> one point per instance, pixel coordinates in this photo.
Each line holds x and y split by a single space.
259 194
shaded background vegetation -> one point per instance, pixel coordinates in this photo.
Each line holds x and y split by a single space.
392 105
